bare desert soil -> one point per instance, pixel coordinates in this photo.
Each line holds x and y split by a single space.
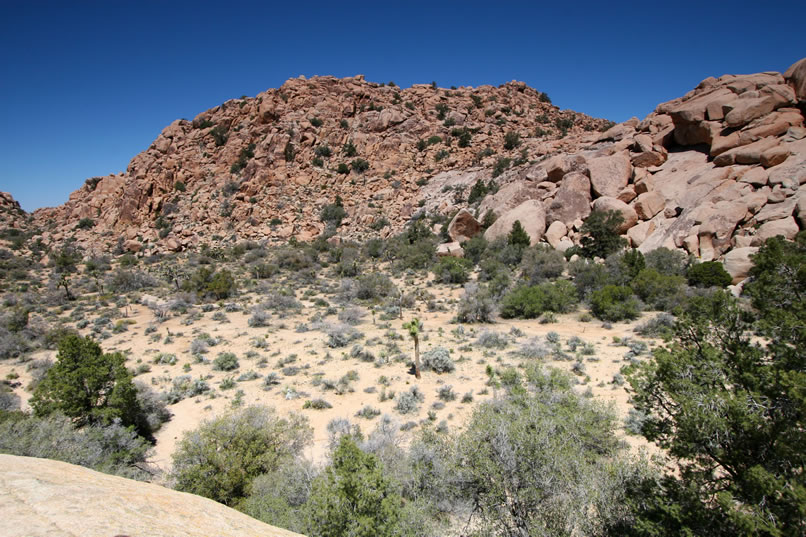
283 343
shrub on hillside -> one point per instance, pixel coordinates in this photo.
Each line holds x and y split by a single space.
529 302
614 303
452 270
257 441
438 360
708 274
225 361
476 305
542 262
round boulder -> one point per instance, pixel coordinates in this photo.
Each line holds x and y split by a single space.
606 203
530 214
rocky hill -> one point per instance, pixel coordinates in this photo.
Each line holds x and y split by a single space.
264 167
49 498
716 170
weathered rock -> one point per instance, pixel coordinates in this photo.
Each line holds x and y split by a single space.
557 167
609 175
756 176
648 205
791 173
132 246
531 215
46 498
638 233
629 214
737 263
774 156
785 226
555 233
746 154
450 249
776 211
463 226
571 201
796 75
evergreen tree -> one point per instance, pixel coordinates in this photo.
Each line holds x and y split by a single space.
353 498
518 236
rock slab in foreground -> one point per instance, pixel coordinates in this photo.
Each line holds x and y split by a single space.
42 497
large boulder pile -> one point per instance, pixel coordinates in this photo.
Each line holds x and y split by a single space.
721 168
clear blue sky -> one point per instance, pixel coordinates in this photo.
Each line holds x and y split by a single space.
86 85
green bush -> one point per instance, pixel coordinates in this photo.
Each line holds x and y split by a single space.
614 303
512 140
353 497
225 361
85 223
221 458
332 214
89 386
349 150
518 236
656 289
540 263
359 165
600 236
438 360
666 261
474 248
708 274
452 270
476 305
529 302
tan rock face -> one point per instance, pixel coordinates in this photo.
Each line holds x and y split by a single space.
609 175
463 226
612 204
796 75
571 201
738 263
648 205
44 498
530 214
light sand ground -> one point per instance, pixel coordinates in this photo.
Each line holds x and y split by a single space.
312 351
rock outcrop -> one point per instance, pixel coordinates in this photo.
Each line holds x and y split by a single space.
49 498
719 168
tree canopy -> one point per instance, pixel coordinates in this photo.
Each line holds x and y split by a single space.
727 400
89 386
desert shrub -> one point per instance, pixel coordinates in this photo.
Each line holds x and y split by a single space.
529 302
341 335
666 261
259 318
317 404
541 263
438 360
476 305
708 274
409 402
279 497
205 282
374 285
588 277
657 289
225 361
446 393
123 281
333 213
533 349
257 442
600 236
352 315
153 406
614 303
368 412
111 448
491 340
8 399
474 248
183 387
165 358
262 270
662 325
89 386
549 451
281 301
348 262
452 270
359 165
